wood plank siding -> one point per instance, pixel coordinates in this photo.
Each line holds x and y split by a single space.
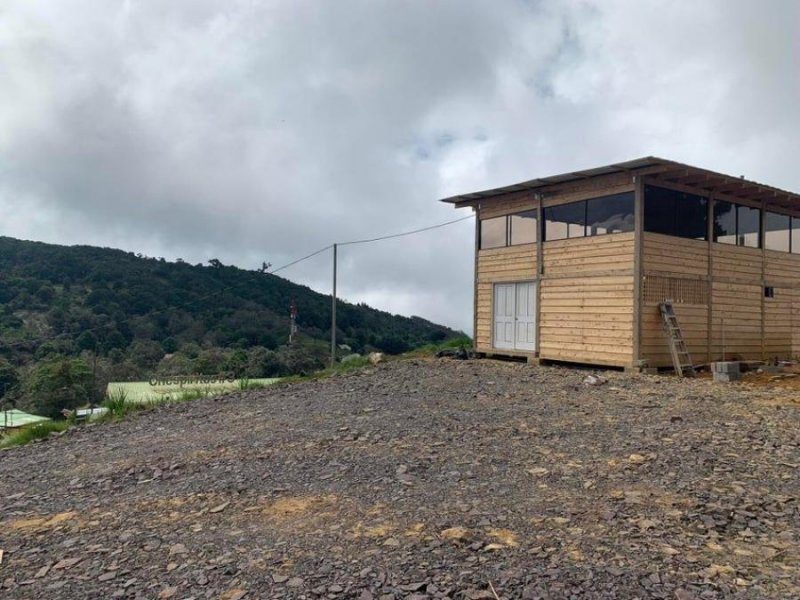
586 300
725 317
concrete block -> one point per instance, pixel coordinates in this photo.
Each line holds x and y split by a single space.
726 377
729 367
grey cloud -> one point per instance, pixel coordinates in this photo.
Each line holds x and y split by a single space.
262 131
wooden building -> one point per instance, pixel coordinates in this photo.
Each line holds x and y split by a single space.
573 267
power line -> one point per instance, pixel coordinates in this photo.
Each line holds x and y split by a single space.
294 262
397 235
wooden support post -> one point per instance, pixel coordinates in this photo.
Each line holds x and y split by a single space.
539 268
761 236
710 279
638 249
477 210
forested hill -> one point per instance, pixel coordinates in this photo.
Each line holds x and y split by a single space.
143 315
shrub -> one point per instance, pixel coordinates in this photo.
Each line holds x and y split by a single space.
33 432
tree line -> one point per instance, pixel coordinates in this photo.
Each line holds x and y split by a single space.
74 318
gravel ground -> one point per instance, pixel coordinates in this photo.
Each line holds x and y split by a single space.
418 479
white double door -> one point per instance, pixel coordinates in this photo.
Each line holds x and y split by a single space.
514 324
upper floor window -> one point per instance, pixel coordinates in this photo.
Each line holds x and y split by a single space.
679 214
509 230
565 221
777 232
737 224
494 232
524 227
595 216
610 214
781 232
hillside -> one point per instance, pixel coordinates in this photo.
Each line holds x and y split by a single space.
141 316
418 479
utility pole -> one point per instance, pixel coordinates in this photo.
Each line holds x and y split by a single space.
333 312
293 320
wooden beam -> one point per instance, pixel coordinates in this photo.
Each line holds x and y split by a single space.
697 179
761 232
731 187
703 192
539 267
475 277
638 249
710 279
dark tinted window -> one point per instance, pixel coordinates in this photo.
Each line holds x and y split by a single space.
524 227
659 210
675 213
691 217
493 232
724 222
777 230
565 221
795 235
610 214
748 226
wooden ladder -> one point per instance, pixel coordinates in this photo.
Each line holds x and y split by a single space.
677 346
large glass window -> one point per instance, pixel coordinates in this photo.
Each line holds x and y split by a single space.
510 230
777 232
659 210
610 214
737 224
691 217
795 242
565 221
679 214
724 222
493 232
748 226
524 227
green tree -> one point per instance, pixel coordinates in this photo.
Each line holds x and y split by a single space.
87 341
169 345
9 378
145 353
58 384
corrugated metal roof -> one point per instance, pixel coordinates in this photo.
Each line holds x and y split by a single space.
17 418
709 181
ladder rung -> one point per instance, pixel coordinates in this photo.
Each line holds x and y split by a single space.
680 352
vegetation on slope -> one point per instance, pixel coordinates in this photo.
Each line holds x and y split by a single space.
108 315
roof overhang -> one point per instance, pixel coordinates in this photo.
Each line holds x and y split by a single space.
667 171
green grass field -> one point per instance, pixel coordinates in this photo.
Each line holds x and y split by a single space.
143 391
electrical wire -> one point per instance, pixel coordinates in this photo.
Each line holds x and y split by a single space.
299 260
397 235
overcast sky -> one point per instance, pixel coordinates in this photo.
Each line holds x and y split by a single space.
261 131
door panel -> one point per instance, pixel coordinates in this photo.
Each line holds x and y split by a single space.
514 323
525 324
504 315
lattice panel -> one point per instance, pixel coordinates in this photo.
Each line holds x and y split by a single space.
675 289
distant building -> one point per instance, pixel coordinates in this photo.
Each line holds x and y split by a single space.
12 420
573 267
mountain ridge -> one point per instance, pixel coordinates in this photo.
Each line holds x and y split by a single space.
140 316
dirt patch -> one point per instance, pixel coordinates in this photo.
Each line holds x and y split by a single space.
39 523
